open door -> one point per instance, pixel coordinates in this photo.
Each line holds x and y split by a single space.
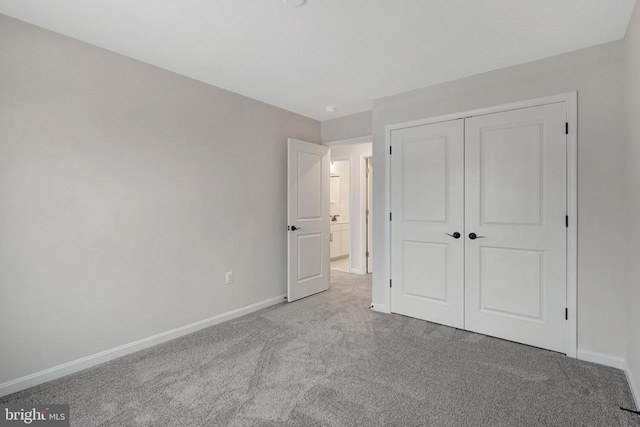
308 219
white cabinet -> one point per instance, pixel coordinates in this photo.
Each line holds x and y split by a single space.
335 243
339 240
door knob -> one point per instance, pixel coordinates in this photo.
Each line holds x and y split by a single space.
474 236
455 235
294 228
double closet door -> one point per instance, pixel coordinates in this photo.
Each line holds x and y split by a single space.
478 231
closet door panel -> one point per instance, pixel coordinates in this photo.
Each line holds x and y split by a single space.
515 271
427 179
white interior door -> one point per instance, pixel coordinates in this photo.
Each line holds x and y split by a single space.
308 219
427 179
516 204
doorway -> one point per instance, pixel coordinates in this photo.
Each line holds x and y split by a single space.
350 218
339 201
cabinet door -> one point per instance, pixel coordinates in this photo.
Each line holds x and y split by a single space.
335 244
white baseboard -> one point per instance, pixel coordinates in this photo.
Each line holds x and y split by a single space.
357 271
380 308
113 353
632 385
602 359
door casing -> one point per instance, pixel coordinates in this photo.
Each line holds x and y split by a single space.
368 177
570 99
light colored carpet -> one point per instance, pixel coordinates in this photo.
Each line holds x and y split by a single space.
329 360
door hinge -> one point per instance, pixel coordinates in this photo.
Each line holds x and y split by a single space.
390 216
390 150
367 254
566 314
390 284
367 212
566 128
566 221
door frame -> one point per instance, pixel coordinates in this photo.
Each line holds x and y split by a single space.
368 206
571 101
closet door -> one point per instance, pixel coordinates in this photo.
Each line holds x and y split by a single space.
515 189
427 180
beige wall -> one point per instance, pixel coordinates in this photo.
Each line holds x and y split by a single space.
596 73
632 74
347 127
126 192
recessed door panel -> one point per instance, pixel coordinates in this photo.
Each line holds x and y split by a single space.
515 202
310 256
309 186
512 282
425 271
511 181
427 178
424 178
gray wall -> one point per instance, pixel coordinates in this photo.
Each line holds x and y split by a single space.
126 192
596 73
347 127
632 71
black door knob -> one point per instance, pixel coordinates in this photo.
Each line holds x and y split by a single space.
294 228
455 235
474 236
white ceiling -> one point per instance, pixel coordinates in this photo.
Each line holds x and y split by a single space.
330 52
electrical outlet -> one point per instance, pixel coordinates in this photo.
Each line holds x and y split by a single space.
228 278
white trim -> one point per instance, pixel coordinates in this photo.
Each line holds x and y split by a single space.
572 231
367 240
381 308
113 353
350 141
362 201
571 100
385 218
535 102
600 358
635 392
